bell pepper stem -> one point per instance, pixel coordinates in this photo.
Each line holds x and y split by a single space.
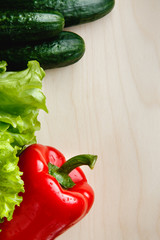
77 161
62 173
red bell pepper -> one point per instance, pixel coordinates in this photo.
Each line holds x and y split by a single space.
56 196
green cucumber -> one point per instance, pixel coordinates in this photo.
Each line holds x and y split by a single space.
67 48
29 26
74 11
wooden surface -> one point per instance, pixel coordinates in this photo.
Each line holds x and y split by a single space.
109 104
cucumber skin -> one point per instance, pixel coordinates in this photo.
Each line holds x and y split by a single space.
74 11
91 11
64 50
17 26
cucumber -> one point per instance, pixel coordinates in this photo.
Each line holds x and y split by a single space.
67 48
74 11
29 26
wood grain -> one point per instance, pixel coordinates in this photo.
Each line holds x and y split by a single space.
109 104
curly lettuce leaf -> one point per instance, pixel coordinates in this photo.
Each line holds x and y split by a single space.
21 91
10 180
21 98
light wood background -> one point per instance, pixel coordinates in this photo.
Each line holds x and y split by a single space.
109 104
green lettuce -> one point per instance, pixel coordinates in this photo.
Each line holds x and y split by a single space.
21 98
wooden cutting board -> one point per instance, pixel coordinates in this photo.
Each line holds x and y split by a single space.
109 104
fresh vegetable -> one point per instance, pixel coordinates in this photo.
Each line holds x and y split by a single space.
67 48
21 26
20 100
53 200
74 11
